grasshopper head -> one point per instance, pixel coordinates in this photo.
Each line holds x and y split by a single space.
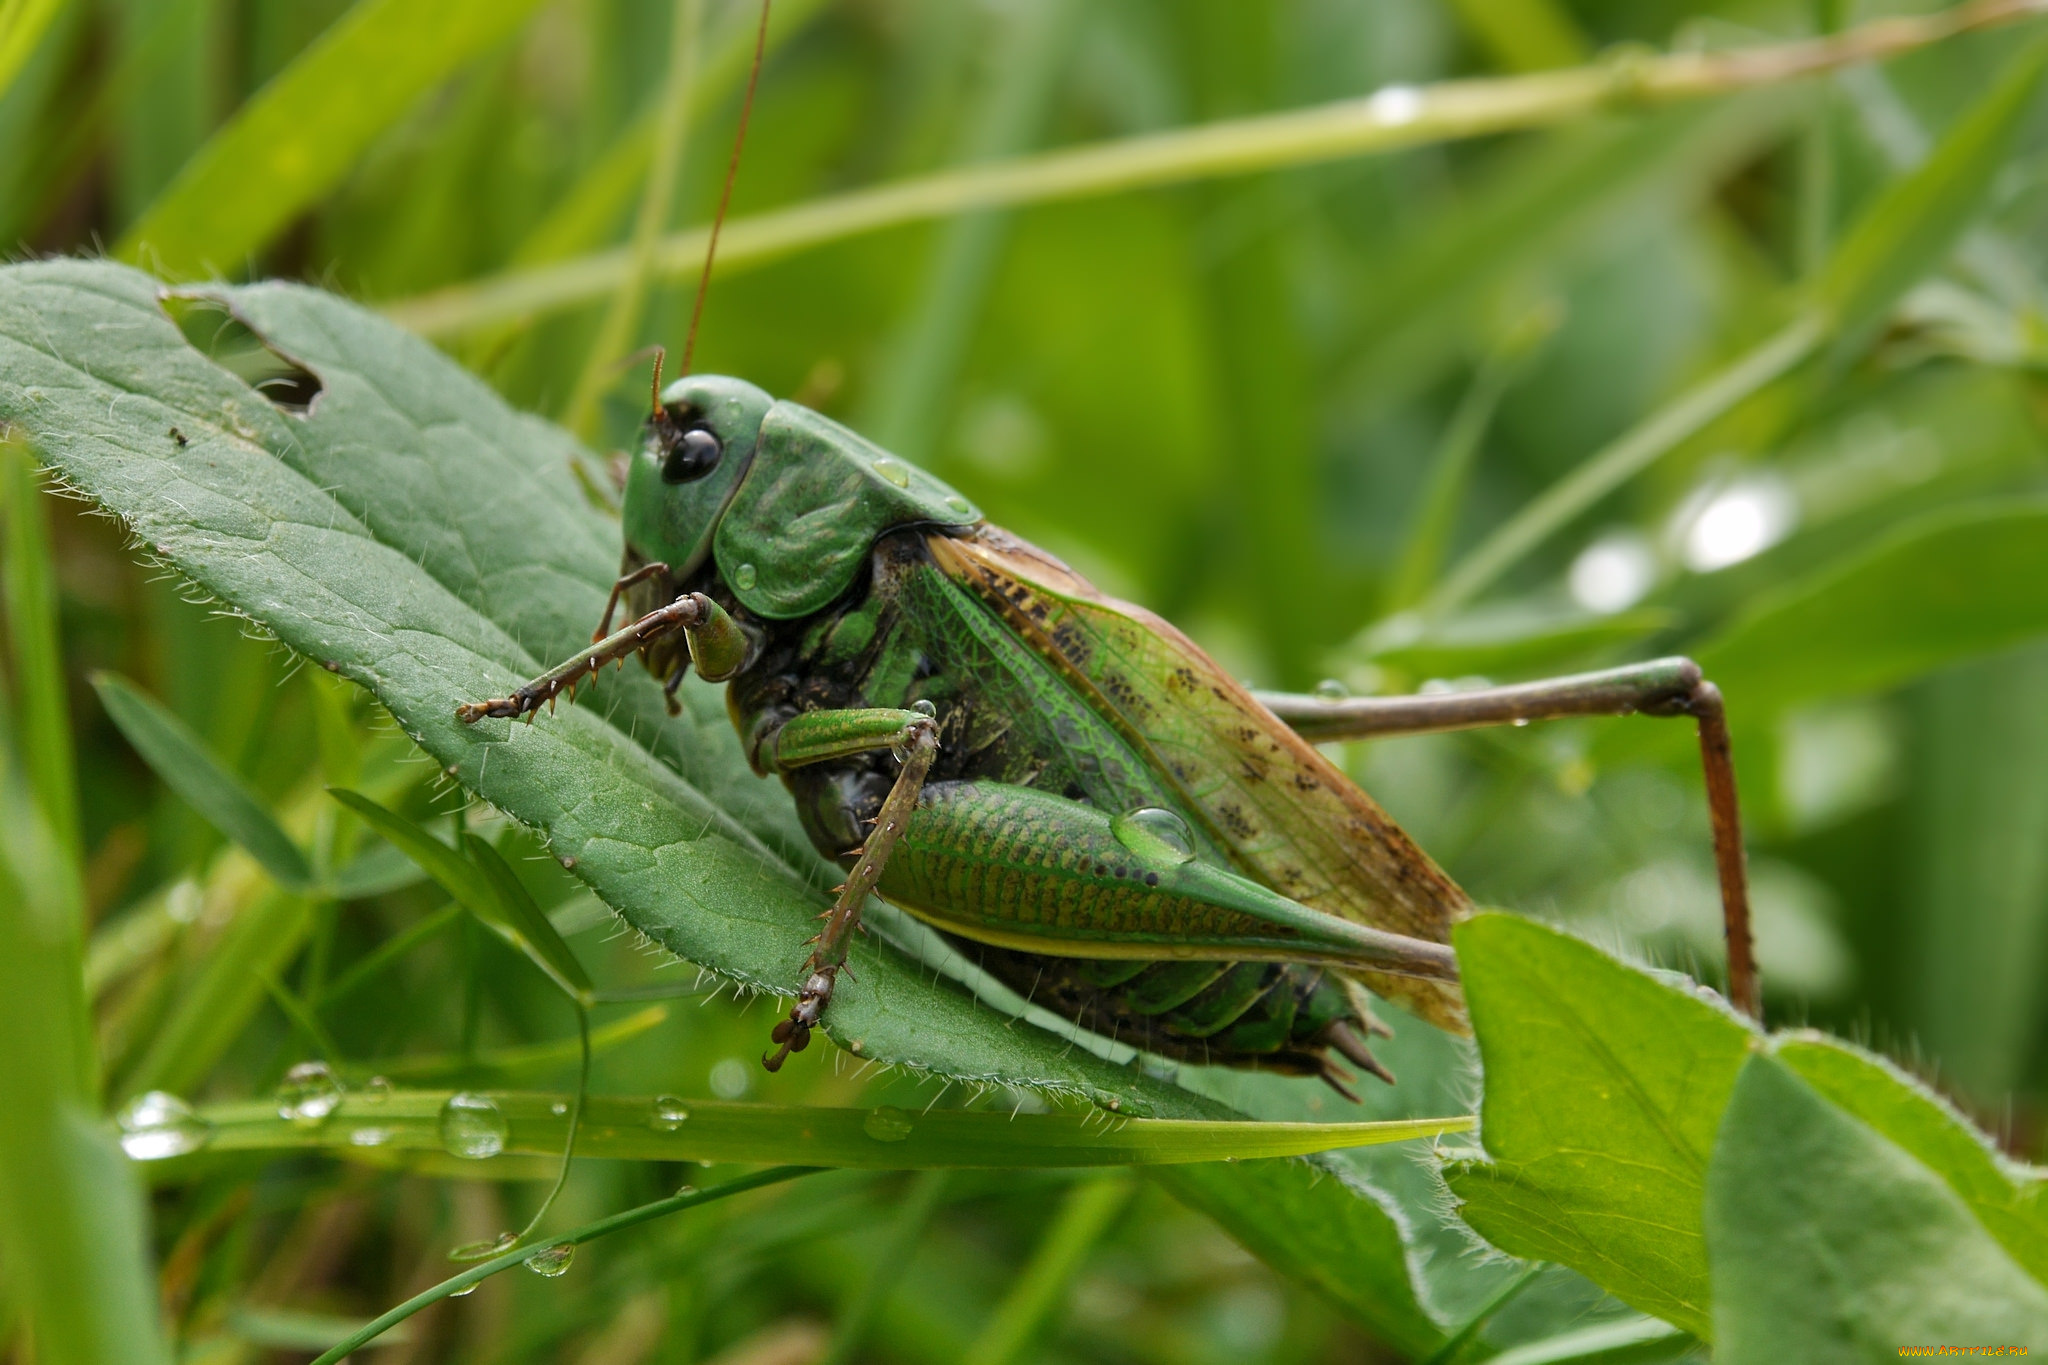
693 452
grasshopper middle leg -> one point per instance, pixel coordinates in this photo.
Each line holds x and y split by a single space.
1661 687
816 737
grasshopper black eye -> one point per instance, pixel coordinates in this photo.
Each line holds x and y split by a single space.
691 455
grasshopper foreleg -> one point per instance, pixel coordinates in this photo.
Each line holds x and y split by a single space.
816 736
1661 687
717 648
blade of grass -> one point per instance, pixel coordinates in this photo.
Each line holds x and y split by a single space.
1450 465
588 210
386 953
212 1010
589 1232
1915 223
483 885
534 933
72 1224
913 394
22 25
1393 119
1621 460
42 720
182 760
625 1127
298 136
1906 235
905 1230
1034 1296
657 201
528 1059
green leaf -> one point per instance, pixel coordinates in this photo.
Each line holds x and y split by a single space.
412 533
642 1129
1831 1244
2007 1200
181 759
484 886
1939 589
296 139
1909 232
1604 1089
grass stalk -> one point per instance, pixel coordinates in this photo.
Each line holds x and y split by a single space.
1391 119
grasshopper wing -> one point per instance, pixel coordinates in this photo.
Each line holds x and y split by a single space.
1290 818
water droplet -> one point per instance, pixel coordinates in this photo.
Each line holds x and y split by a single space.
684 1189
925 708
559 1108
886 1124
473 1126
158 1125
463 1292
1521 722
959 506
1332 689
669 1113
743 577
552 1261
369 1137
1156 835
894 470
309 1092
376 1090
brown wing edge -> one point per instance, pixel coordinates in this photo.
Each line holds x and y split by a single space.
1004 570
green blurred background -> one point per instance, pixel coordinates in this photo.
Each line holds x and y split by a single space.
1274 407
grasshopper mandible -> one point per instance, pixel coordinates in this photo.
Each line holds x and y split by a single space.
1132 838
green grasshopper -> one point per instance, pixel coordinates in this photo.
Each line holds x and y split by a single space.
1131 838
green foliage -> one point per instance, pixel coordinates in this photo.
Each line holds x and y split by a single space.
1604 1091
1847 1267
1784 1197
1705 358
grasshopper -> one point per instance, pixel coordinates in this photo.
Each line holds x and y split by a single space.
1128 835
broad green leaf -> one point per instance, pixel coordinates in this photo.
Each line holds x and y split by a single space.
296 139
181 759
412 533
1909 232
2008 1200
1831 1244
1942 588
73 1230
1604 1089
666 1129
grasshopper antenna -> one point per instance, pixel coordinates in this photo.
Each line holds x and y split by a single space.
732 170
654 389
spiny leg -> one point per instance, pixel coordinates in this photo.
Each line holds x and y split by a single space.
716 643
611 602
1661 687
814 737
